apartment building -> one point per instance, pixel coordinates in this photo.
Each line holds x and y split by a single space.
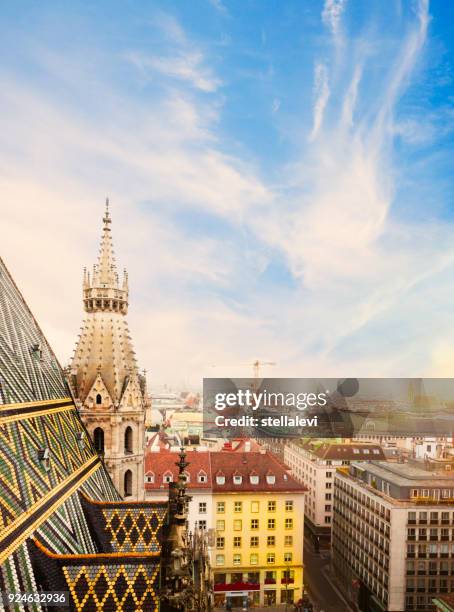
393 535
313 463
259 520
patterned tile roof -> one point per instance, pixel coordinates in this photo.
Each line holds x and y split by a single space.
29 370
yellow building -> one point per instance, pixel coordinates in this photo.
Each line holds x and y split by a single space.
258 516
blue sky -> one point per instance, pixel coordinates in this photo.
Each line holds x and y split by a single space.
280 175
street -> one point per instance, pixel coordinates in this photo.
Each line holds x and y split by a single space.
324 595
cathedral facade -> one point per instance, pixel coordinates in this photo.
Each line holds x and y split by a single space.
109 390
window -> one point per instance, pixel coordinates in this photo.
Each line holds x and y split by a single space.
254 523
220 542
220 507
187 477
288 556
237 525
202 524
220 559
168 477
271 541
289 523
328 496
271 523
254 559
128 441
202 507
127 483
329 474
238 506
327 507
220 479
201 477
220 525
254 479
288 540
98 436
289 505
270 478
271 506
329 485
237 542
254 541
98 399
255 506
237 479
149 477
236 559
327 519
270 558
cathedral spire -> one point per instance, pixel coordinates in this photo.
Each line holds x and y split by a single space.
102 290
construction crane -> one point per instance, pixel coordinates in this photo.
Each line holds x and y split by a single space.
256 365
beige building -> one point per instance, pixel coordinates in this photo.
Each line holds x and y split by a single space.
109 391
393 535
314 462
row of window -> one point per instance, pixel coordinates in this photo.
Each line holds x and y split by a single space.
432 517
255 524
255 506
237 559
253 541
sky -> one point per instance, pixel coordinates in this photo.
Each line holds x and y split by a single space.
280 177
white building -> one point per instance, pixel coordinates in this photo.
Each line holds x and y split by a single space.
393 535
314 462
160 469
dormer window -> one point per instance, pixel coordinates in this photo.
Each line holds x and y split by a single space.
202 477
187 478
254 478
237 479
270 479
220 478
149 477
168 477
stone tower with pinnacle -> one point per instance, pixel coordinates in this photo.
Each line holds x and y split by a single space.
109 390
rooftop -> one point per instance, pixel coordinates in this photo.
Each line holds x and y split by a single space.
406 474
336 450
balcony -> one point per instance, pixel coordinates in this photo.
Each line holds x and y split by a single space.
287 581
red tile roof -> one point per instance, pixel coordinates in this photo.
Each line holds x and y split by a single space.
164 461
259 464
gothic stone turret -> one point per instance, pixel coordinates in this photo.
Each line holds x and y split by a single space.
110 393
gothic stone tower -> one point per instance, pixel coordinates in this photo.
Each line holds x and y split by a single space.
110 393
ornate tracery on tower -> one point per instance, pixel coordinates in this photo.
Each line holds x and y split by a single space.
109 390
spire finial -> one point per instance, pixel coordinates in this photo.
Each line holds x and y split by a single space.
106 219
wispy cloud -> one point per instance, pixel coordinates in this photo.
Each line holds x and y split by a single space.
321 96
332 13
186 66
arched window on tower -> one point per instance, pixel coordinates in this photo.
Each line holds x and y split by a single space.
99 399
128 440
98 436
127 483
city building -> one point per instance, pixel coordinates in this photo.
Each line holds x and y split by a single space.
258 509
314 462
109 390
393 535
